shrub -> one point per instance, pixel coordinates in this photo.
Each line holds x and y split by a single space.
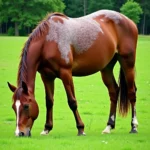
11 31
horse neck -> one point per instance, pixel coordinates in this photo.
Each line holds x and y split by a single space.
29 65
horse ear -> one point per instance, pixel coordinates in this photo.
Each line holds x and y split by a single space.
24 86
11 87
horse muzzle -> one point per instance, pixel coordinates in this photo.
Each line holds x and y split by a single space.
24 134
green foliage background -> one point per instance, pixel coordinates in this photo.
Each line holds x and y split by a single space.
132 10
23 15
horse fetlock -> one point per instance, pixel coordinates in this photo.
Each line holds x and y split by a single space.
134 125
72 105
81 130
111 124
48 127
80 126
134 129
81 134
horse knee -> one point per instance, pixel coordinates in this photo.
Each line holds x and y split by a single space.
72 104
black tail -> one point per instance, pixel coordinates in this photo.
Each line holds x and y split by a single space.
123 98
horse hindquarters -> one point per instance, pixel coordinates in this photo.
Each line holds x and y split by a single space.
127 40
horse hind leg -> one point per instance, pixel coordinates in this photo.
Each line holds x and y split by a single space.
110 82
127 62
134 122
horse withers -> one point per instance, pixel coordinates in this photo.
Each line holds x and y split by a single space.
62 47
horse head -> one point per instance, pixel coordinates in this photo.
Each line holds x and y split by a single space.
25 108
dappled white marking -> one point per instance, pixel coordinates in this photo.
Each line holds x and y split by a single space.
135 122
110 14
106 130
17 104
45 132
79 32
115 16
113 117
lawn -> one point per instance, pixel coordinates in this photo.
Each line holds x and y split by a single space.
93 105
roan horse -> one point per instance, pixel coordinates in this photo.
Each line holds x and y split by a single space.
62 47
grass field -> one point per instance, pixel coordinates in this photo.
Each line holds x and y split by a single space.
93 104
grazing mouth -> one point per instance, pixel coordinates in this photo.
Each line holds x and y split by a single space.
27 133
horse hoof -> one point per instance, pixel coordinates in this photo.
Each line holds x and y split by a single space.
81 134
105 132
45 132
133 131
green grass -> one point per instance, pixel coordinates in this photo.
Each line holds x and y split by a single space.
93 105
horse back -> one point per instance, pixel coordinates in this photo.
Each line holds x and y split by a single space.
88 44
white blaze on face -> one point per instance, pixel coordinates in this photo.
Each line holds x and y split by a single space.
17 104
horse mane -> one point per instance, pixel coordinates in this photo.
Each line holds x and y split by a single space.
40 30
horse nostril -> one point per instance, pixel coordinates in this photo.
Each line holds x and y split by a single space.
21 134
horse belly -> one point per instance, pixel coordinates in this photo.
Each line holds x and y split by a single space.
92 60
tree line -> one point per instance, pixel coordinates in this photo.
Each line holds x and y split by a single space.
19 17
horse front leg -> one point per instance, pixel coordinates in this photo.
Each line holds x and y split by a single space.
66 77
49 92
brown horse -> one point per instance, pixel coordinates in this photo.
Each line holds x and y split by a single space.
62 47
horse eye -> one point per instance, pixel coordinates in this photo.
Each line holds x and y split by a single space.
26 107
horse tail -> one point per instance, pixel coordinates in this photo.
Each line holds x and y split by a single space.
123 98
